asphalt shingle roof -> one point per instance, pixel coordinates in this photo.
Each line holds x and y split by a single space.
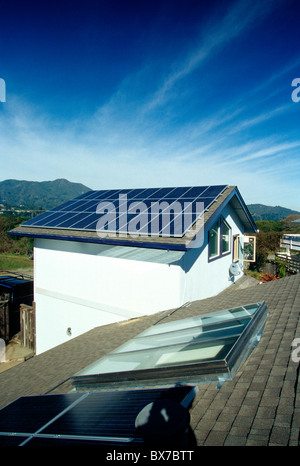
260 406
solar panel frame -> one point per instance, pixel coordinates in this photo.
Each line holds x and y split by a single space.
83 212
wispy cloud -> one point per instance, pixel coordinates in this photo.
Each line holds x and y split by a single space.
242 16
135 140
257 119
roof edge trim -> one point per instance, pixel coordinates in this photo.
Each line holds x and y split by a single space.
116 242
235 192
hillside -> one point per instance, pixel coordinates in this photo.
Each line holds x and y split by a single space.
47 194
39 195
263 212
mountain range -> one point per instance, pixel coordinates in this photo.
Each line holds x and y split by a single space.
45 195
39 194
264 212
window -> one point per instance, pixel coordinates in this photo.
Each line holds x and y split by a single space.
225 237
213 241
245 248
202 348
219 238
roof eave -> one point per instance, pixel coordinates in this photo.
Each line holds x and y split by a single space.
99 240
239 205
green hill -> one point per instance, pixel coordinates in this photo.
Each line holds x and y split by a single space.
263 212
39 195
44 195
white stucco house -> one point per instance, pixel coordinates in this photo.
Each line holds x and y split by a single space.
87 274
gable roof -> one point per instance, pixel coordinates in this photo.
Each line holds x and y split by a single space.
259 406
220 196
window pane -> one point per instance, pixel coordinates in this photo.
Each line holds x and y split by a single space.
213 240
184 354
225 237
249 248
206 347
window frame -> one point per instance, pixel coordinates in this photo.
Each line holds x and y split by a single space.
220 252
228 251
215 256
237 248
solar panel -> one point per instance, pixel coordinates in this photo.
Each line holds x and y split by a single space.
167 212
102 418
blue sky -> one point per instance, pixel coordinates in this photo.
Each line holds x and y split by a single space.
119 94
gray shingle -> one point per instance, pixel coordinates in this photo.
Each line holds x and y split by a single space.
260 406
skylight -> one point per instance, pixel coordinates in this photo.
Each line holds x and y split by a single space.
204 348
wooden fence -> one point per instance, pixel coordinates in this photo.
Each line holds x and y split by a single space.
4 318
27 325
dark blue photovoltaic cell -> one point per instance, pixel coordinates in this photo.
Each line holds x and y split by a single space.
212 191
105 416
89 220
25 416
44 221
75 219
40 218
132 210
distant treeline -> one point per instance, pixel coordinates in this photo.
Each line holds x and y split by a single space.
285 225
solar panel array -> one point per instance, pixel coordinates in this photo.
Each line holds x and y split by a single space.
101 418
150 211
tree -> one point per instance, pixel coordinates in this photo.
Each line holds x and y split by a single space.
266 242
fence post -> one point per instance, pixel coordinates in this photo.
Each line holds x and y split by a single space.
27 325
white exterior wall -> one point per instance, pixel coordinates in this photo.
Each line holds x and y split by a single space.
204 277
81 286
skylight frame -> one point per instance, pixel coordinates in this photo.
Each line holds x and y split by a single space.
214 369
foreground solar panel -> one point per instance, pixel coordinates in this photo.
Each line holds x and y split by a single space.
100 418
167 212
207 348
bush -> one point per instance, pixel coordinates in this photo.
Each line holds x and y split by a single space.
13 244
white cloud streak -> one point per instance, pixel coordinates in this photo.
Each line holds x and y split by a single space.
124 145
242 16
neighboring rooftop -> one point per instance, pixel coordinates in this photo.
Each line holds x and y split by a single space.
260 406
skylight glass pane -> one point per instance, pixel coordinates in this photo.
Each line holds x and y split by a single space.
205 319
208 347
199 333
163 356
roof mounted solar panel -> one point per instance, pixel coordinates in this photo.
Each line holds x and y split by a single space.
169 212
99 418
